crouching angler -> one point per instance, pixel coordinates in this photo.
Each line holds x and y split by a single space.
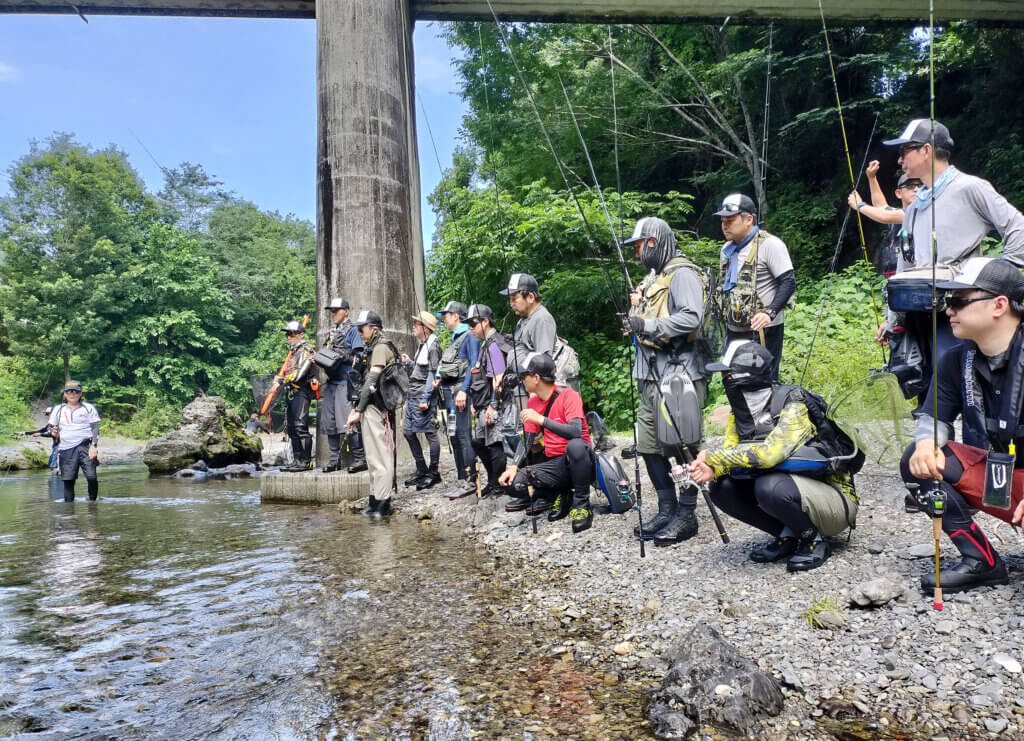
982 382
297 379
784 467
568 465
78 426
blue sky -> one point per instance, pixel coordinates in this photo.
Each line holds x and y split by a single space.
236 96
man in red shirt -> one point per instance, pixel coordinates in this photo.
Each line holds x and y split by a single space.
557 412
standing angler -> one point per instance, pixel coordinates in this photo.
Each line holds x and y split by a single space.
297 378
78 425
667 312
379 423
757 279
456 378
486 394
343 339
536 330
421 403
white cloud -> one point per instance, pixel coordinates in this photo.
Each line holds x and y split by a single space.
9 73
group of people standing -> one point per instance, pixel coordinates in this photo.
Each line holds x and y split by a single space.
784 467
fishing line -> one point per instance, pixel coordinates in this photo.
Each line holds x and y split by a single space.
767 111
849 167
835 256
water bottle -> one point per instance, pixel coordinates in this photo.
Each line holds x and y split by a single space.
451 423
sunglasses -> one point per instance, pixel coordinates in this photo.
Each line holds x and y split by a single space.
909 147
472 322
959 302
72 391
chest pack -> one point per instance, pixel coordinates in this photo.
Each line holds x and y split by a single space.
452 368
831 450
998 426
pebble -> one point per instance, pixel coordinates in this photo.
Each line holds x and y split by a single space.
1007 662
623 649
996 725
877 546
945 627
922 550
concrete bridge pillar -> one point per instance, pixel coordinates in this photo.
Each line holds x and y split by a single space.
369 237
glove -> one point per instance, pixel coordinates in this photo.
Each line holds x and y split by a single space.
636 325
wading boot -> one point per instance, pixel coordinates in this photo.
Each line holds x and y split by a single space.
463 488
383 509
582 518
629 452
355 446
539 505
666 511
981 565
415 479
93 487
778 549
371 506
812 553
429 480
334 446
684 525
560 509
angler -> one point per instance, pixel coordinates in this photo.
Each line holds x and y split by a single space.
297 376
421 404
455 376
967 209
49 432
556 414
78 426
536 330
486 394
757 278
785 467
344 341
376 411
881 212
666 315
982 381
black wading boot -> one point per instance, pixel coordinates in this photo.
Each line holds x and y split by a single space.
94 489
355 447
981 565
666 511
582 518
383 509
371 506
560 509
334 445
429 480
684 525
415 479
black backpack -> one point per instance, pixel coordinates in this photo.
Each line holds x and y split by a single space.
393 383
836 451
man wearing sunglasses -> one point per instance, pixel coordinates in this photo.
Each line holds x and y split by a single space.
77 424
981 381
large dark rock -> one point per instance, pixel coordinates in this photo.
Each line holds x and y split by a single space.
710 683
208 432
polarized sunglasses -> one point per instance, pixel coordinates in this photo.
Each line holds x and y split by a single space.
959 302
909 147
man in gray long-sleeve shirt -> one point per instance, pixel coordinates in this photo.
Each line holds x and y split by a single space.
967 209
536 330
664 324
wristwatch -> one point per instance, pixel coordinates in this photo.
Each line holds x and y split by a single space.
772 313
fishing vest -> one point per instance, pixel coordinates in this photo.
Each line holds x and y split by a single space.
480 385
452 368
743 302
300 356
998 427
654 295
337 341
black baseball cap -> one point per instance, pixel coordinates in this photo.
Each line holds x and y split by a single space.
453 307
743 357
521 283
539 363
990 274
480 311
919 131
366 316
336 303
735 203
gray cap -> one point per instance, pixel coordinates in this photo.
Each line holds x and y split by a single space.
480 311
735 203
521 283
919 131
336 303
994 275
294 327
367 316
454 307
651 226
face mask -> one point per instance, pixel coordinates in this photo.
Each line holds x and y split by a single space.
654 257
750 410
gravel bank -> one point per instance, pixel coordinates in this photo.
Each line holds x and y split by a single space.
896 671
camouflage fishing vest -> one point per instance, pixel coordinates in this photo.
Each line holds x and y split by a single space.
743 302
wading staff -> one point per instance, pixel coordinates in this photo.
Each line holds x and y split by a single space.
849 167
683 452
269 400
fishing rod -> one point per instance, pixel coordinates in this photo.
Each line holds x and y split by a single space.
849 167
683 452
835 256
764 127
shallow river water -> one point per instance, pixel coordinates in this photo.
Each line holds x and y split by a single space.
189 610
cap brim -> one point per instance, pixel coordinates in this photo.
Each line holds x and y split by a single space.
505 291
631 240
895 142
952 285
716 367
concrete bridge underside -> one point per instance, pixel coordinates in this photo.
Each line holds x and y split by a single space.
1003 11
369 244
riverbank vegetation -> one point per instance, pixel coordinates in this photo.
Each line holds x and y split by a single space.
152 298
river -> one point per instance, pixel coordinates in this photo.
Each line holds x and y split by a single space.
191 610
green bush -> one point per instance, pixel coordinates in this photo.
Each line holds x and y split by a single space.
15 382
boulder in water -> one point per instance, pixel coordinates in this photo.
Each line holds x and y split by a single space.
208 432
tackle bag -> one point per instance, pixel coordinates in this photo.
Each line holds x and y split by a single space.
453 368
911 290
908 364
567 365
393 383
611 480
678 418
331 361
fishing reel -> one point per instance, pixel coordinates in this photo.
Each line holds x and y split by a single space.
929 498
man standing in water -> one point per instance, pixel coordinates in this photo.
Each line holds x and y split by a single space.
78 424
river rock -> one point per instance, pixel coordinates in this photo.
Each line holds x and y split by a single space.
699 664
1008 663
922 550
190 474
876 592
209 432
996 725
29 454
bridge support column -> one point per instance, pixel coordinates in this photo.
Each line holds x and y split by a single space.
369 237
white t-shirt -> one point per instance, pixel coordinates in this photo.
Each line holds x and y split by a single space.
75 425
